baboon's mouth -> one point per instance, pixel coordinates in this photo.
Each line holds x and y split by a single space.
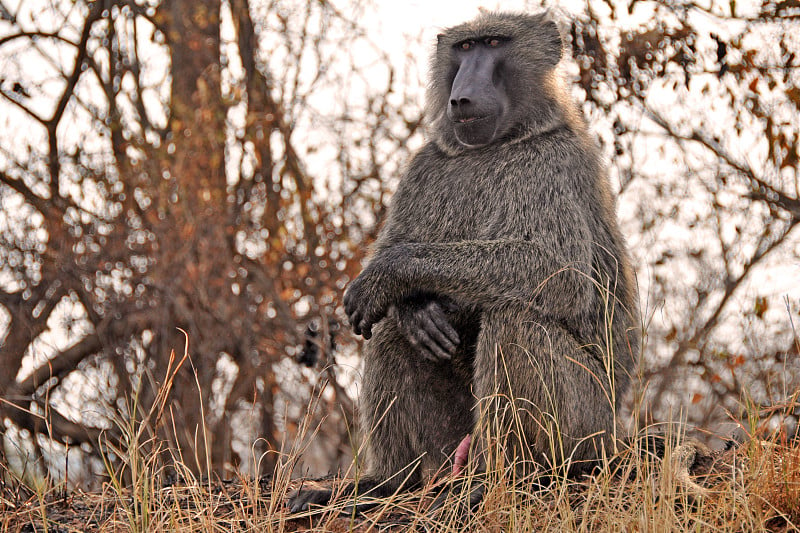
474 131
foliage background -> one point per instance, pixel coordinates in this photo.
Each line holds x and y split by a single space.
213 171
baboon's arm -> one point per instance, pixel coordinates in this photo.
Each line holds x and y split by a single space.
555 277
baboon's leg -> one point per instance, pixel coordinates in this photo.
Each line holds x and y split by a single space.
414 412
545 397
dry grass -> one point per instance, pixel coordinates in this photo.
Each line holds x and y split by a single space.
755 487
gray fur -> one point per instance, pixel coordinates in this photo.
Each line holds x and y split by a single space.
516 243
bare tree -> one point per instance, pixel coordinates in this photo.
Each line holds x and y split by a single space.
170 165
703 102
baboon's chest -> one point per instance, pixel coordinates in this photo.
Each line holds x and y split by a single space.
459 217
462 202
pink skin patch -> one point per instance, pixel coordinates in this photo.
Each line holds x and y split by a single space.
461 456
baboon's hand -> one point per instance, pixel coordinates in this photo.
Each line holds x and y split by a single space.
366 300
425 325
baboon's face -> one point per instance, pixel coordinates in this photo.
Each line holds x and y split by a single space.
490 79
479 104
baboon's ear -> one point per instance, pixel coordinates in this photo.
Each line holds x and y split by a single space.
441 39
552 43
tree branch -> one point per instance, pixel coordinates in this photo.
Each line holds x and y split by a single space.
26 109
52 423
39 203
761 189
32 34
95 13
59 365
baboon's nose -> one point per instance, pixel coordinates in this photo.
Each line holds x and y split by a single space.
463 101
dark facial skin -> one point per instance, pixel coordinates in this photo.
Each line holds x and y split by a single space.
478 100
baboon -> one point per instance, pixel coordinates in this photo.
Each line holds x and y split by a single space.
499 285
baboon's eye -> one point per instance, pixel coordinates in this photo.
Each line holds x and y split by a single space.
466 45
492 42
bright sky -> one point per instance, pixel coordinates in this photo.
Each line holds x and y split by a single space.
432 15
427 18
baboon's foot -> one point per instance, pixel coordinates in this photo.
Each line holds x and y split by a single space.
303 500
360 497
467 494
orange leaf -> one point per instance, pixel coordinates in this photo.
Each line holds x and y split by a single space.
697 398
287 294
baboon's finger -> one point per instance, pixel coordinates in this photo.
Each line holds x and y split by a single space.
366 329
355 322
443 325
437 336
417 345
432 346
